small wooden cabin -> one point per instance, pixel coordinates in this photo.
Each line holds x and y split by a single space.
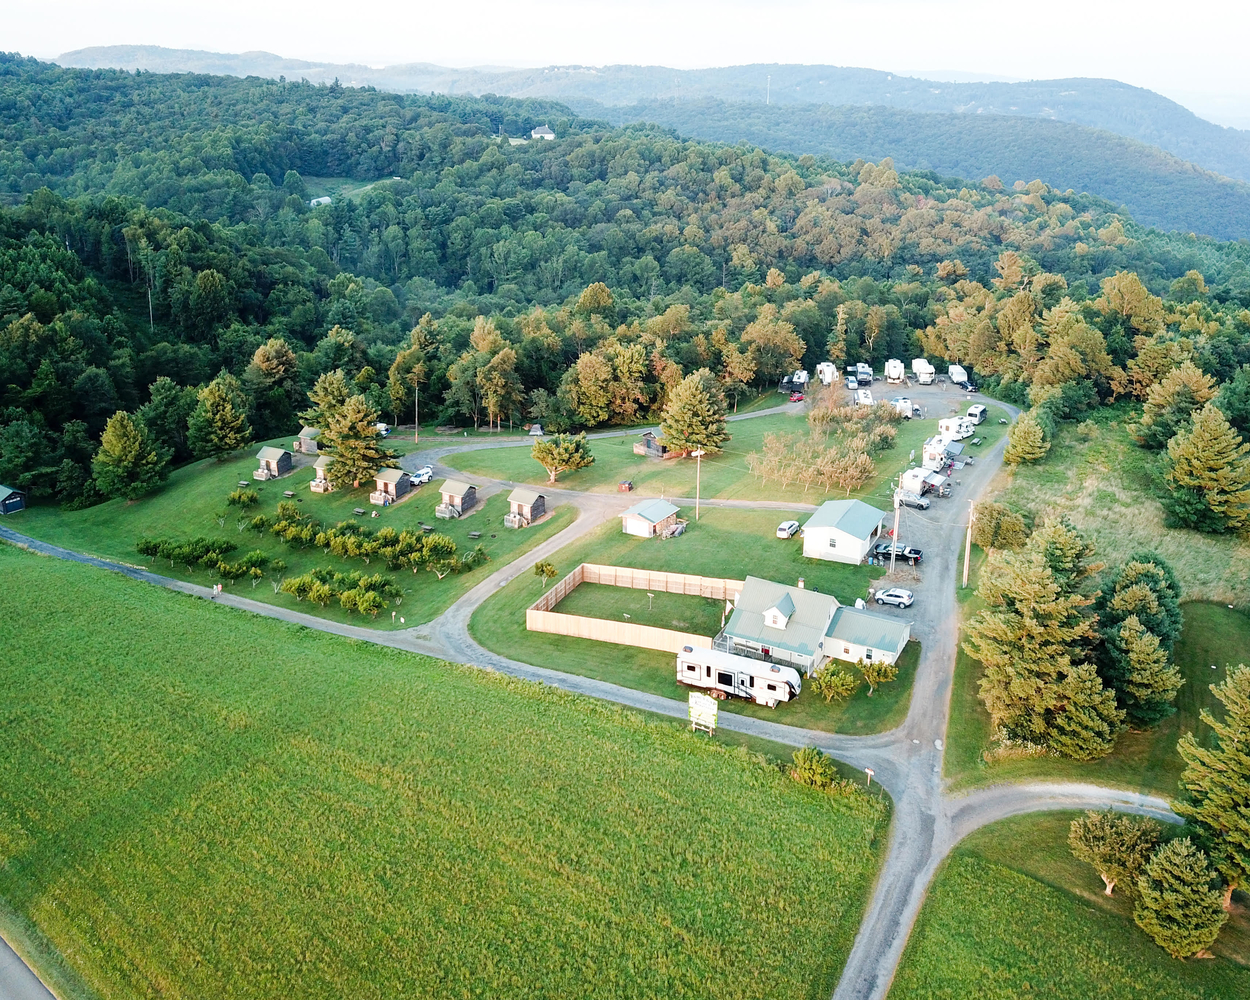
306 443
649 518
274 463
525 507
321 479
389 485
651 447
11 500
457 499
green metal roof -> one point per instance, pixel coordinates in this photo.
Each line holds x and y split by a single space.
8 491
805 628
651 511
271 454
856 518
865 628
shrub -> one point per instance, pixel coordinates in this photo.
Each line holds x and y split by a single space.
833 682
243 498
812 767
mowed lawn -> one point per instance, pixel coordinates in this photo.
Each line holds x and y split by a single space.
1013 914
724 543
681 612
196 802
193 503
1214 636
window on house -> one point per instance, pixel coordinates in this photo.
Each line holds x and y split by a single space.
867 654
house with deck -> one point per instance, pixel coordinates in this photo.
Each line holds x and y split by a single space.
389 485
274 463
321 479
842 531
524 508
457 499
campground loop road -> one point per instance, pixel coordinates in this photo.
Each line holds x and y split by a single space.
907 761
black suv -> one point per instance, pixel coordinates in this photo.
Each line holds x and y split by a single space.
912 554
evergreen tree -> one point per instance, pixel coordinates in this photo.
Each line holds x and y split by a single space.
1234 400
997 526
1067 552
219 424
1085 719
1026 441
695 415
328 395
562 453
1115 845
1149 682
129 464
1176 904
1208 475
352 437
166 415
1216 780
1170 401
1147 587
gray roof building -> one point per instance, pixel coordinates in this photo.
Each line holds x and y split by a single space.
864 628
776 616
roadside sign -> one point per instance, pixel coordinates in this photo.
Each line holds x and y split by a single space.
703 711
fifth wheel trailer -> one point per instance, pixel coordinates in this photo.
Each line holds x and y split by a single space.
757 680
923 371
895 373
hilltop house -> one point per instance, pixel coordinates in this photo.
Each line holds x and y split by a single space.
389 485
457 499
804 629
842 531
11 500
321 482
649 518
525 507
274 463
306 443
542 132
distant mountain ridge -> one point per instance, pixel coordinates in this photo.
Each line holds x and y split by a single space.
1103 104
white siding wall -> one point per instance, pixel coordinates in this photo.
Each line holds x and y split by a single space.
834 546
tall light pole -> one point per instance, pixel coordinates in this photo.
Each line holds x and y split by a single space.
972 513
698 475
894 543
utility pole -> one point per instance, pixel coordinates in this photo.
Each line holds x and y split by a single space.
768 90
968 541
894 543
698 475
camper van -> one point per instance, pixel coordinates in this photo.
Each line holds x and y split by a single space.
895 373
826 371
863 397
923 371
957 374
955 428
863 373
757 680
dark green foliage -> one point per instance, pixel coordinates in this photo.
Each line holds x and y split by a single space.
812 767
1234 400
1176 904
190 552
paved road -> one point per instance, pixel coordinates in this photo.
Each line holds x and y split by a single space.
907 762
17 982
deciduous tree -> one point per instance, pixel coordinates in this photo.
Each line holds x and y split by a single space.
562 453
1115 845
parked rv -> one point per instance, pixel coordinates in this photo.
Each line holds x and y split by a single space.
955 428
738 676
976 413
957 373
863 397
826 371
863 373
903 405
895 373
923 371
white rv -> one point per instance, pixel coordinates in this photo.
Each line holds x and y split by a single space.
895 373
826 371
933 453
903 405
923 371
863 397
956 428
921 481
757 680
863 373
799 378
957 373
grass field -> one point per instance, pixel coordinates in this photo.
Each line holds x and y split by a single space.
1142 761
1013 914
196 802
725 543
682 612
1107 487
193 503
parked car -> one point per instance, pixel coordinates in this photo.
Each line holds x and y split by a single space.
897 596
909 552
852 383
787 529
916 411
423 475
909 499
967 386
796 397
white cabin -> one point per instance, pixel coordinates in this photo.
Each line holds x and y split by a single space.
757 680
842 531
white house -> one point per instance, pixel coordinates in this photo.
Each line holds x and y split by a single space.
542 132
842 531
648 518
854 634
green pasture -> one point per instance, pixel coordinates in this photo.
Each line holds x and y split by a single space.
1013 914
193 503
199 802
681 612
1144 761
724 543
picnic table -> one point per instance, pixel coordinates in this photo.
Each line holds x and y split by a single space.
244 483
359 511
289 493
475 534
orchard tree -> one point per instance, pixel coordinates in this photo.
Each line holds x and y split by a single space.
833 683
1026 441
562 453
1116 846
351 437
1216 781
1208 475
694 417
1176 904
876 673
129 463
219 424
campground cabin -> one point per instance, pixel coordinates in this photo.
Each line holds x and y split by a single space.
306 443
389 485
321 480
274 463
757 680
524 508
649 518
842 531
457 499
650 447
11 500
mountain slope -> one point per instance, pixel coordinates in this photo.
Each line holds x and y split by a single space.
1106 104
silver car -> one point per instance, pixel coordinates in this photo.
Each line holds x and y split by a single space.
787 529
897 596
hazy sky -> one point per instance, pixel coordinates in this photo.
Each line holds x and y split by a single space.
1193 53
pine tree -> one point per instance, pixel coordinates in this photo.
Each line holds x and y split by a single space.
166 413
129 463
1026 441
1085 719
1170 401
1216 780
1209 475
1176 904
351 437
562 453
695 415
1066 550
1115 845
328 395
1147 587
219 424
1148 686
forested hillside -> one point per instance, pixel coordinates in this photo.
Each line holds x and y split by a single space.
1103 104
166 284
1156 187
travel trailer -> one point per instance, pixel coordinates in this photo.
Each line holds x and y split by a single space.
957 373
863 398
903 405
923 371
826 371
863 374
739 676
895 373
956 428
